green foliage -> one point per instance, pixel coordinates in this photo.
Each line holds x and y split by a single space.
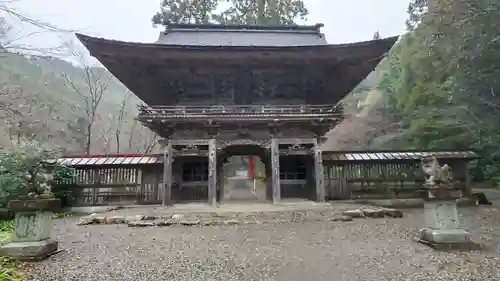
9 270
12 184
6 230
263 12
416 9
238 12
63 184
61 215
185 11
441 81
19 170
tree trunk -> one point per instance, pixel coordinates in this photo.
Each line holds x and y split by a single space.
273 10
88 139
261 10
117 136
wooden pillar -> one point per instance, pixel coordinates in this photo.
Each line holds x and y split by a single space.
140 190
212 173
319 173
167 173
275 170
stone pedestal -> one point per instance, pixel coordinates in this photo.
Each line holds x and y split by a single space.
442 224
31 238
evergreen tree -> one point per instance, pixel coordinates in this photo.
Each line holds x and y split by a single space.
443 79
238 12
416 10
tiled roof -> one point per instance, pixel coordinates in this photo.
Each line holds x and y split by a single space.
396 155
242 35
119 159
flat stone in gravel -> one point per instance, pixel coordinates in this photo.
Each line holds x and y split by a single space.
167 222
342 218
354 213
393 213
141 224
209 222
189 222
231 222
373 213
134 218
115 220
178 216
91 219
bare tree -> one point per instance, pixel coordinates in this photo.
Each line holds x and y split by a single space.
5 7
120 120
9 95
131 135
9 40
146 144
102 134
150 143
9 113
26 116
96 84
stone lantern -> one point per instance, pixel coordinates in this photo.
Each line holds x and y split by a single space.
440 195
31 238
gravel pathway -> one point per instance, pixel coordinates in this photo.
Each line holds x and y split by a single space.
364 249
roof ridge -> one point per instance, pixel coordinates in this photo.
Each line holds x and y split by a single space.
242 27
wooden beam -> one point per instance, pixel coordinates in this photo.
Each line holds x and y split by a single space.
298 141
190 142
275 166
319 173
167 173
286 152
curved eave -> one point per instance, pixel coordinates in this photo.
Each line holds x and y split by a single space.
142 67
151 51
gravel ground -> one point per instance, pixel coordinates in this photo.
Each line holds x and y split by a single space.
364 249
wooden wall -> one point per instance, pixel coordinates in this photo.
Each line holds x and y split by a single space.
383 179
129 184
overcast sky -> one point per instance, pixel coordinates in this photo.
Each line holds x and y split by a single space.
130 20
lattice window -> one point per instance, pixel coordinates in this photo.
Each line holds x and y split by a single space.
195 172
292 168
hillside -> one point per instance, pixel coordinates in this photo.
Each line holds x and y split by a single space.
43 99
365 117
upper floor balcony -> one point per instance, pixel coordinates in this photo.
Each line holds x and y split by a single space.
237 113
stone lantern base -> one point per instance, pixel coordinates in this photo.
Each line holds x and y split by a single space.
31 238
442 231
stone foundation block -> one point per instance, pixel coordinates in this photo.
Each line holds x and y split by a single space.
447 239
25 251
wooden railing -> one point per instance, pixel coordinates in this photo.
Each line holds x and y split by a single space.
231 111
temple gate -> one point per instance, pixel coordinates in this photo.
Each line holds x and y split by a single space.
214 91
